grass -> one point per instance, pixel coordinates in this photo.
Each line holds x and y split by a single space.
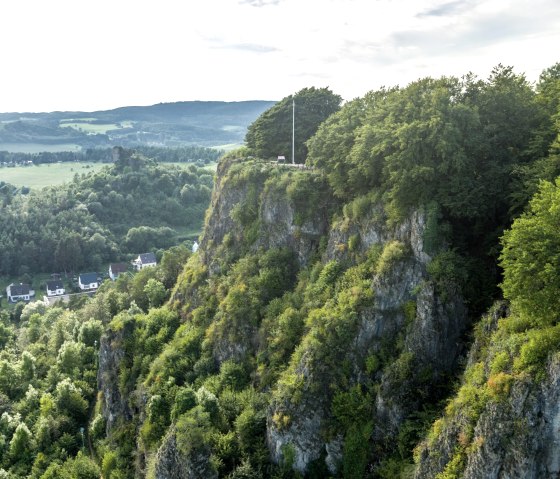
50 174
37 282
181 234
228 146
211 167
38 147
94 128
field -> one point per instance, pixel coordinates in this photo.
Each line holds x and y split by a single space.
51 174
39 176
94 128
38 147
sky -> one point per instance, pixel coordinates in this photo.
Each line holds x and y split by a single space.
85 55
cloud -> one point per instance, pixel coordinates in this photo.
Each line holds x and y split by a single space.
259 3
477 33
243 47
252 47
445 9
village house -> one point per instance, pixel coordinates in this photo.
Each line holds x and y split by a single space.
19 292
116 269
55 287
88 281
144 260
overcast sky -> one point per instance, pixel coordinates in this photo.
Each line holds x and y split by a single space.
89 55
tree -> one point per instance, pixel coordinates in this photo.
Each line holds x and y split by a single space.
21 443
270 135
330 147
156 292
531 255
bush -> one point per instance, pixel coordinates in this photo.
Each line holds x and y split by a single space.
535 351
393 251
448 272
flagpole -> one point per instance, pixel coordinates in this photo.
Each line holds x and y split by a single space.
293 130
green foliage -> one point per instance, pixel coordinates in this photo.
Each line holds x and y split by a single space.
535 351
351 407
109 463
156 292
260 333
271 134
393 251
193 430
356 450
448 272
100 217
250 427
530 257
454 467
185 400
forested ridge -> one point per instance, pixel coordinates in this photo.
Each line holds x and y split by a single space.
177 124
198 155
388 311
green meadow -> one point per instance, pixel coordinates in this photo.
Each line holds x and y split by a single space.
49 174
38 147
94 128
52 174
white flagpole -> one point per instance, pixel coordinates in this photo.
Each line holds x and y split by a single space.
293 130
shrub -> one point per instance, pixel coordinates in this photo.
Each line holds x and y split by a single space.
533 354
393 251
499 385
448 272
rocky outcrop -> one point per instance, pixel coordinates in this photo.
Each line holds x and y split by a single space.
512 434
114 406
172 463
271 218
430 344
515 438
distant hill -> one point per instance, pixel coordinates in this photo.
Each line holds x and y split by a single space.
204 123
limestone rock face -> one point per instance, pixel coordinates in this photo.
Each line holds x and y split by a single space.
254 208
277 222
517 436
114 406
431 341
172 463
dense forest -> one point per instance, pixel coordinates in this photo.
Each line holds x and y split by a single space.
130 207
387 310
187 154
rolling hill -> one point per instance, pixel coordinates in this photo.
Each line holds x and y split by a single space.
205 123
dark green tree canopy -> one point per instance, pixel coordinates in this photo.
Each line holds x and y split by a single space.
271 134
448 139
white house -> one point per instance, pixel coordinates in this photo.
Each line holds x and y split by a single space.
195 247
19 292
144 260
88 281
55 288
116 269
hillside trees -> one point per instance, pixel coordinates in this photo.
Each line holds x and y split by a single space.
455 141
131 207
452 145
271 134
531 255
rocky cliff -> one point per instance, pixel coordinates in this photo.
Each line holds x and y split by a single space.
114 405
503 422
336 319
407 313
